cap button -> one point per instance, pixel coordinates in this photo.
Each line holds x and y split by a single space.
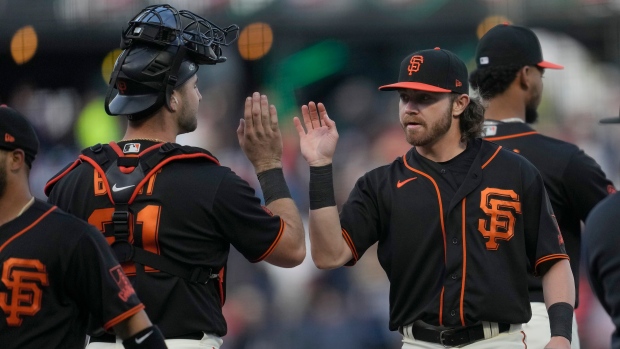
437 48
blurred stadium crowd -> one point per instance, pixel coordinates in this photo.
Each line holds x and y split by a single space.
342 67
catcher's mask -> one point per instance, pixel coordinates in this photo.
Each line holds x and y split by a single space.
162 50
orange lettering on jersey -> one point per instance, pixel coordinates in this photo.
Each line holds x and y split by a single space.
501 205
99 184
100 217
151 183
123 283
414 64
20 277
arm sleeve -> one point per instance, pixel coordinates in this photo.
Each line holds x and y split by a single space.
545 241
585 184
359 218
99 285
238 214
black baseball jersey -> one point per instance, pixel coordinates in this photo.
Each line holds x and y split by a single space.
574 182
601 241
59 280
190 211
455 256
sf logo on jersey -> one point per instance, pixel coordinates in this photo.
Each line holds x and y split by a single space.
414 64
22 278
501 206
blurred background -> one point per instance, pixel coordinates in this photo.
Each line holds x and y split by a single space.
56 57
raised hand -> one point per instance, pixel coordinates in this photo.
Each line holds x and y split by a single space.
318 140
259 135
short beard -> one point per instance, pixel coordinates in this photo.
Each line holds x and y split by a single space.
531 115
437 131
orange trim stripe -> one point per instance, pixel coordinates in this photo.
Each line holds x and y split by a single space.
441 306
550 257
529 133
133 311
443 229
161 164
221 286
349 241
48 186
103 177
274 244
23 231
464 264
492 157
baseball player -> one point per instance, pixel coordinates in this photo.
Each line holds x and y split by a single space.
509 78
601 241
460 222
171 212
58 277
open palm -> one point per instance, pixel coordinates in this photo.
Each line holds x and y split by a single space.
319 138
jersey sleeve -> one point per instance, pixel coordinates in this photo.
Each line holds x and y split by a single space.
99 285
585 183
359 218
543 236
250 227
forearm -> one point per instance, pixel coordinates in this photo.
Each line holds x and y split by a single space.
328 247
132 325
291 249
558 284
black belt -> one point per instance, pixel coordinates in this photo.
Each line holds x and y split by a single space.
108 338
451 337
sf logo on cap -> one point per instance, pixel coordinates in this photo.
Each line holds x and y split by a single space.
415 63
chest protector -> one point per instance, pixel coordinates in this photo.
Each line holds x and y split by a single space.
130 173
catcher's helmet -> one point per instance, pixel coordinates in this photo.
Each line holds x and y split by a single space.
162 50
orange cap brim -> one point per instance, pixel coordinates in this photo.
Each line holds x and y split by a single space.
549 65
413 86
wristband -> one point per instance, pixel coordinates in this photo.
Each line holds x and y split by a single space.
321 187
149 337
561 320
273 185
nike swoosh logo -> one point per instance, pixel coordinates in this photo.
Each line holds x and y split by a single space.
115 188
143 338
401 183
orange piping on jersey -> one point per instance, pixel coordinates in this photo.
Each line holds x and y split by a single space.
349 241
221 285
464 265
27 228
524 336
443 229
274 244
161 164
441 306
492 157
550 257
491 139
48 186
100 170
124 316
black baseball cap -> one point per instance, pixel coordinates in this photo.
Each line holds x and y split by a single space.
433 70
612 120
506 45
17 133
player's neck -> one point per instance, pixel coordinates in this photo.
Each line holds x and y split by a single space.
157 127
14 202
505 106
445 148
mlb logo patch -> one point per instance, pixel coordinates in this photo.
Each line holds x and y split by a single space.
489 130
131 148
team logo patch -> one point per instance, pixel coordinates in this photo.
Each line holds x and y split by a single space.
501 206
23 279
414 64
123 283
131 148
489 130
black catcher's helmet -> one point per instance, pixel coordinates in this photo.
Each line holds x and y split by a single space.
162 50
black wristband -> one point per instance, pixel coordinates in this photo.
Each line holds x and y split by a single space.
273 185
561 320
149 337
321 187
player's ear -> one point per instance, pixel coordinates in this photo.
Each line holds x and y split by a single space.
174 101
16 160
459 104
524 77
